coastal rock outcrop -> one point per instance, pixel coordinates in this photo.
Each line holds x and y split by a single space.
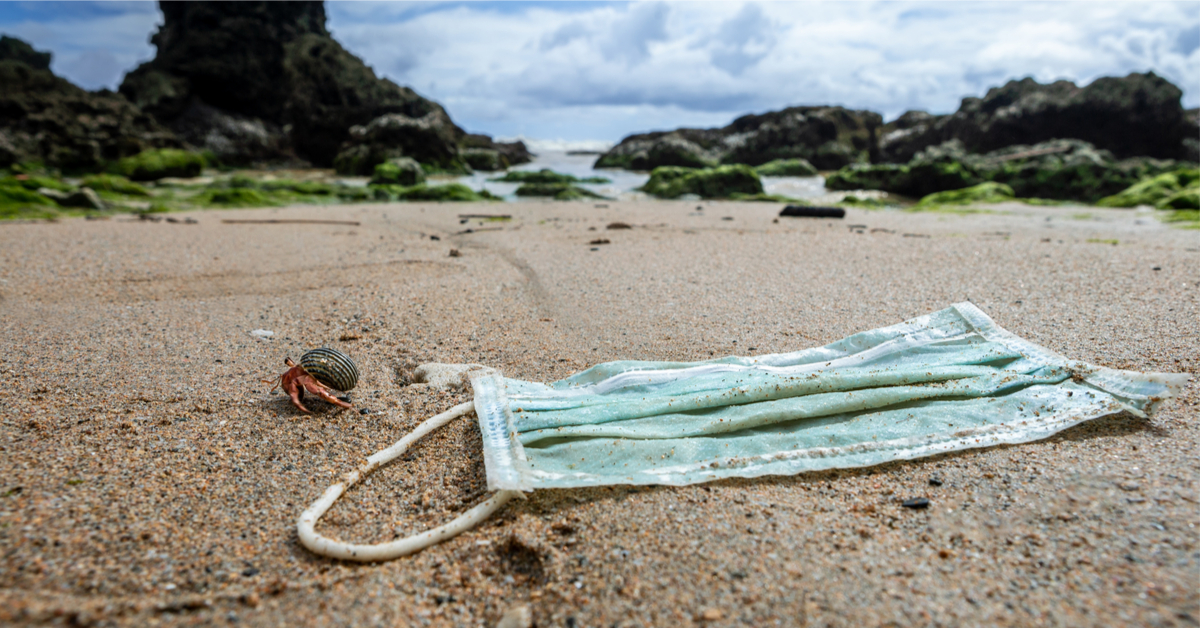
827 137
1138 115
1063 169
44 118
265 81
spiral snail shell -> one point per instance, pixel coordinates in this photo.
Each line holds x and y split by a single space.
331 367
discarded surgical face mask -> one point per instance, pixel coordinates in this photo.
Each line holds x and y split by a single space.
943 382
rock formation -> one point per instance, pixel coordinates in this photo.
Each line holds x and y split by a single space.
1136 116
827 137
264 81
1057 169
44 118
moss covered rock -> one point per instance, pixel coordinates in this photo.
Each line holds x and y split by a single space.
545 175
795 167
431 139
234 197
399 171
18 202
719 182
35 182
1058 169
559 191
114 184
454 192
989 192
1156 190
152 165
483 159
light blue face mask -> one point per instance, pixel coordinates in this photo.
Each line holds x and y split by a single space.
943 382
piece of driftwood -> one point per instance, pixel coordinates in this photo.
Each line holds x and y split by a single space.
805 211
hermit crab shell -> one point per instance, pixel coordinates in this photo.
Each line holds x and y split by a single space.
331 367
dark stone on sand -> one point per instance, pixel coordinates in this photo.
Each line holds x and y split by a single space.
804 211
916 503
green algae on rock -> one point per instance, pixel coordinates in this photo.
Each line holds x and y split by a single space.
114 184
719 182
36 182
559 191
545 175
152 165
795 167
989 192
399 171
18 202
1058 170
454 192
1171 190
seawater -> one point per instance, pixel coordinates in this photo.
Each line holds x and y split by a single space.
624 183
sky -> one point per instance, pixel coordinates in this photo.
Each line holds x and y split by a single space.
598 71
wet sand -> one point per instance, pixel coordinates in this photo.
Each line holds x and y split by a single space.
148 477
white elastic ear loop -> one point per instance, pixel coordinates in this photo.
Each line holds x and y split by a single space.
402 547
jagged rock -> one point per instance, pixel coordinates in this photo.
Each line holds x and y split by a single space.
431 139
1137 115
827 137
13 49
1191 138
265 81
84 197
232 139
509 154
44 118
398 171
483 159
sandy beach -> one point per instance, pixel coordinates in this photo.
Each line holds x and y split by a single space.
148 476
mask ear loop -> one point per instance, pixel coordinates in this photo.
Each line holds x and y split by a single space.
401 547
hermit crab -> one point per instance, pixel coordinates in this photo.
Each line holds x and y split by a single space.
319 371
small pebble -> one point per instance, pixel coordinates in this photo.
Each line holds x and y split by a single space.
916 503
1157 268
434 238
517 616
935 481
364 411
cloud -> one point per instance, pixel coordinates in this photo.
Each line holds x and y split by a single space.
601 70
743 40
631 34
